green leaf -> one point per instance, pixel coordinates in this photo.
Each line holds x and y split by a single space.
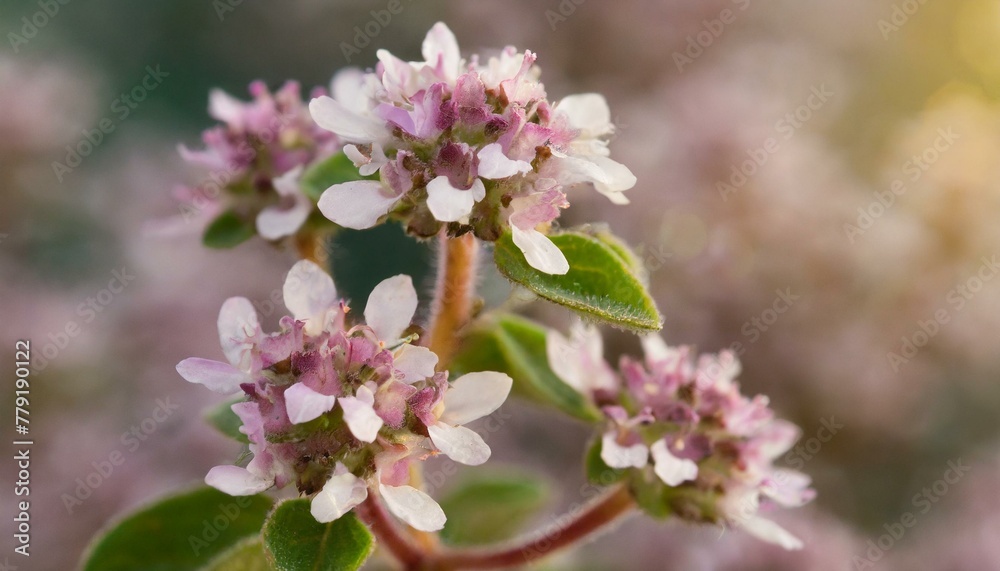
245 556
492 508
295 541
323 175
600 283
178 534
228 230
225 420
516 346
598 472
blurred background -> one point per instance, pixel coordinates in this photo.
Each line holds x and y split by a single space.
817 191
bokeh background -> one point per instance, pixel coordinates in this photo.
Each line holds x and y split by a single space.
830 102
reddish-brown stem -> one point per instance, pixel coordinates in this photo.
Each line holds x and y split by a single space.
311 246
453 293
390 535
593 518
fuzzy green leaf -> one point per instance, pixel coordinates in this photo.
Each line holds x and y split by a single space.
600 285
227 231
180 533
491 508
245 556
295 541
516 346
334 170
223 419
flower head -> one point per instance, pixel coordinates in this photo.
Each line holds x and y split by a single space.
470 145
682 428
255 158
340 410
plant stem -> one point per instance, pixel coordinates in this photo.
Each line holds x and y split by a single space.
593 518
311 246
390 535
453 293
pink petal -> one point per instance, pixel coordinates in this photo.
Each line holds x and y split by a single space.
415 363
440 51
494 164
304 404
238 331
350 126
216 376
390 307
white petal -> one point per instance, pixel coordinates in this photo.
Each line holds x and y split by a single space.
671 469
656 349
566 361
216 376
309 291
225 107
493 164
347 88
390 307
357 204
617 178
588 112
236 481
341 493
447 203
304 404
440 43
360 416
540 252
416 363
238 331
618 456
416 508
349 125
278 221
474 395
767 530
288 183
459 443
275 222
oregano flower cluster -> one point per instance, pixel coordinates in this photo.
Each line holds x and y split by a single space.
338 410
